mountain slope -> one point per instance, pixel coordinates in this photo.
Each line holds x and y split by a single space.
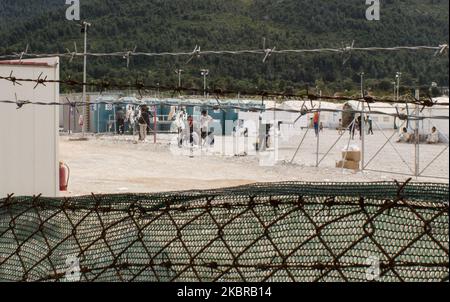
179 25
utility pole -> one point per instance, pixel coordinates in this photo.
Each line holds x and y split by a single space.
204 73
84 29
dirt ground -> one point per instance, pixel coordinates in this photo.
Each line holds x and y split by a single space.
113 164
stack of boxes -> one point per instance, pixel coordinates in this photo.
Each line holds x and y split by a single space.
350 160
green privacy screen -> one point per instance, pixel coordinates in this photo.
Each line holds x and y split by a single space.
302 232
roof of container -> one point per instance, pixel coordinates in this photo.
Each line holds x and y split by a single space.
25 63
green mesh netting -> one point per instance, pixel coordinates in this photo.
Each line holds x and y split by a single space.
265 232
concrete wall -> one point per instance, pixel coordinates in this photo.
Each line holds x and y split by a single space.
29 159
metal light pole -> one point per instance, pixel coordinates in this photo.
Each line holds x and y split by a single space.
395 98
398 76
84 29
395 90
204 73
179 72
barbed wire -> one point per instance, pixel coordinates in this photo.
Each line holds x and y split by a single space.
217 92
197 52
219 106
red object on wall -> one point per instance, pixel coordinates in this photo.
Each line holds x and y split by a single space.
64 174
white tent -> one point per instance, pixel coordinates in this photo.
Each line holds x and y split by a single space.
329 119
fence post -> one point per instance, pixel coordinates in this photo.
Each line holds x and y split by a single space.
363 124
417 138
318 133
155 110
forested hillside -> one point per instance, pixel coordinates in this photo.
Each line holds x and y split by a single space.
179 25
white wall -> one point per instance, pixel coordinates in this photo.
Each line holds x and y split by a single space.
29 159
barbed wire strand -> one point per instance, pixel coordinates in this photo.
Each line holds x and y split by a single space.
217 92
439 50
304 111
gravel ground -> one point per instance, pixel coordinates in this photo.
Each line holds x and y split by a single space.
113 164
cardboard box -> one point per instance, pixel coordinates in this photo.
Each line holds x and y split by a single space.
352 156
347 164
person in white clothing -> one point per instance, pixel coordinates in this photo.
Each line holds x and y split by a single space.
180 122
129 119
433 137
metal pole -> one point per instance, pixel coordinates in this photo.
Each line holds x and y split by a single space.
98 117
275 130
154 123
301 143
115 121
179 71
399 74
84 77
70 112
204 84
363 121
417 139
204 73
395 91
318 133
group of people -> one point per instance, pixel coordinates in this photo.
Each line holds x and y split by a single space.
187 130
353 127
357 126
135 119
406 137
138 119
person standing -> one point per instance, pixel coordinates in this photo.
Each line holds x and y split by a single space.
341 127
359 125
120 119
180 120
143 123
370 123
316 119
147 118
205 121
129 117
190 121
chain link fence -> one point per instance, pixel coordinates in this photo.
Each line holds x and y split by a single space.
297 232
